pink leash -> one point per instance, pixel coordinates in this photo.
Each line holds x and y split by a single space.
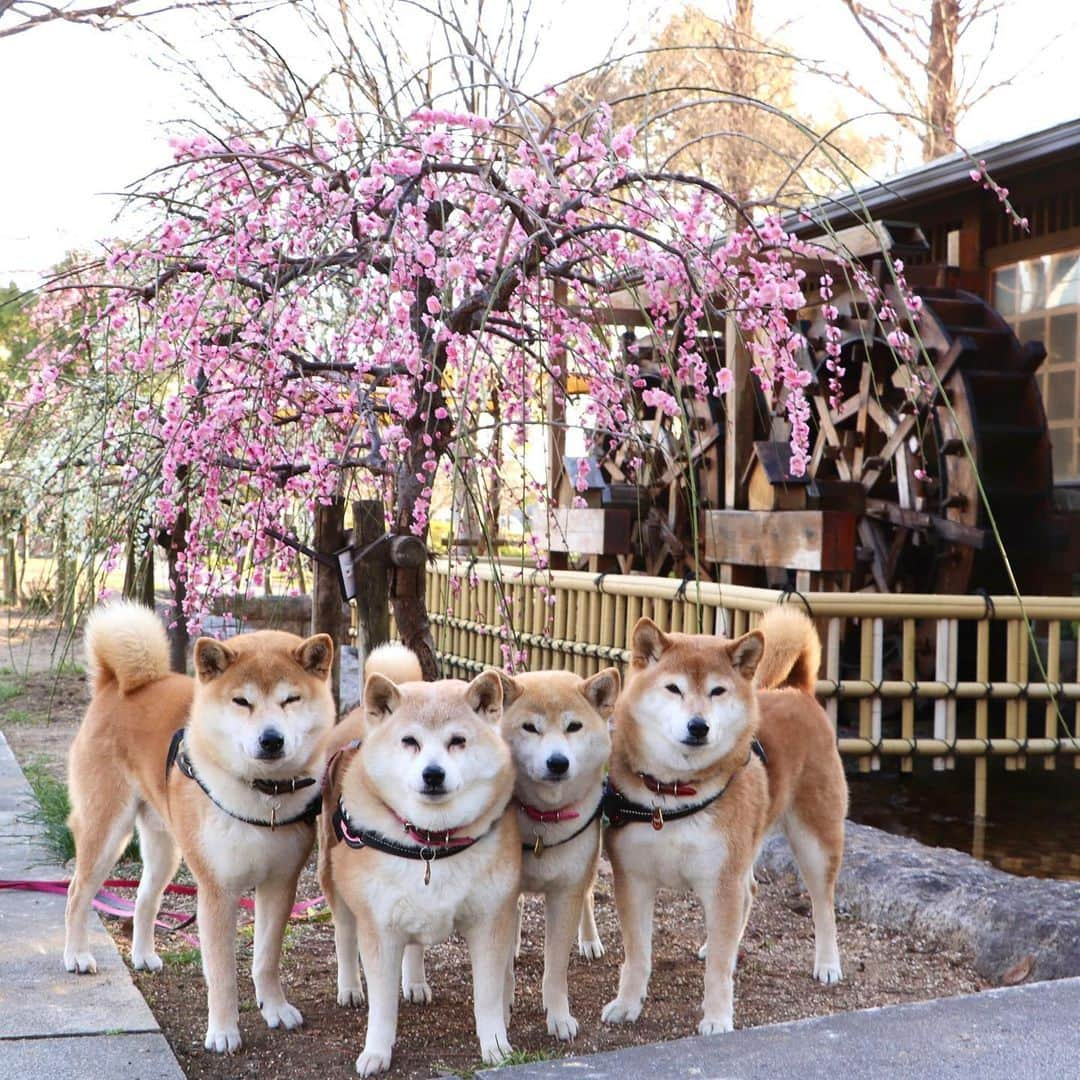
111 904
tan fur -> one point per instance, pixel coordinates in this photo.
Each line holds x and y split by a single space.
557 863
118 779
126 643
395 661
792 654
680 679
383 910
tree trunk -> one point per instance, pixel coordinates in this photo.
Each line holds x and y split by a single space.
179 638
11 573
940 137
372 601
326 615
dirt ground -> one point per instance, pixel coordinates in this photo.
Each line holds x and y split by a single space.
39 710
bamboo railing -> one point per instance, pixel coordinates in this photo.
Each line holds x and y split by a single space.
999 686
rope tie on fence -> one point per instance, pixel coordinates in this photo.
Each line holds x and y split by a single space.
680 592
598 582
989 611
790 591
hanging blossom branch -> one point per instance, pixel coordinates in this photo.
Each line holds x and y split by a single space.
318 319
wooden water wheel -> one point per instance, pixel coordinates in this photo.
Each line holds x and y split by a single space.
914 443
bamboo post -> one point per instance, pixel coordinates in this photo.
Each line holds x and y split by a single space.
1023 655
866 667
879 674
907 706
941 673
832 667
1053 674
581 616
953 674
1012 650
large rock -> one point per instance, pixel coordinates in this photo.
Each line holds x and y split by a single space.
948 896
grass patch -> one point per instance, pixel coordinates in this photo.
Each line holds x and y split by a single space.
17 716
52 813
70 667
186 957
518 1057
9 691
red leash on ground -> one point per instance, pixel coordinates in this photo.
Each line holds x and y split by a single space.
111 904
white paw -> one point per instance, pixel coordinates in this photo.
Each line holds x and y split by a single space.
81 962
417 993
828 973
146 961
591 950
562 1027
281 1014
715 1026
703 951
371 1062
621 1012
350 996
222 1040
495 1049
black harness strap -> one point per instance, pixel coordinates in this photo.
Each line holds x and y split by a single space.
538 846
177 756
619 810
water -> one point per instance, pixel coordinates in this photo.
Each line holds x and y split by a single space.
1033 822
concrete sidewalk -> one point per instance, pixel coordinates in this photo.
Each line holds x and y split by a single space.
53 1023
1023 1033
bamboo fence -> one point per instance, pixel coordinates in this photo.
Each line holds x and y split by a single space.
1004 675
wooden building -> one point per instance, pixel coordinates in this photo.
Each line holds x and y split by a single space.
1032 278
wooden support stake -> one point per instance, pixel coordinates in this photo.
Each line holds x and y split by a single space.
372 587
1012 667
982 711
866 668
326 604
1053 674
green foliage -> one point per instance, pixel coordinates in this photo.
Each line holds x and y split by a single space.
9 690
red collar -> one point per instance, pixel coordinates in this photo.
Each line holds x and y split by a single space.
434 838
662 787
546 817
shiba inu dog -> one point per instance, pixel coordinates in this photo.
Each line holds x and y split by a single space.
224 769
689 799
417 844
556 725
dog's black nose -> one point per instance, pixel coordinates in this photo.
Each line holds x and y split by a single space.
697 727
271 742
557 764
433 775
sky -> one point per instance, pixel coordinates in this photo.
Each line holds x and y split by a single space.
86 113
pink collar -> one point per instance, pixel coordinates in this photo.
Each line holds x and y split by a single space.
440 838
546 817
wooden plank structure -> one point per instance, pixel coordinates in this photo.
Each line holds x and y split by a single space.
976 704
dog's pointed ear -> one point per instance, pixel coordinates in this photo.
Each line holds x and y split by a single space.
381 697
602 690
511 688
648 642
484 695
212 658
316 655
746 653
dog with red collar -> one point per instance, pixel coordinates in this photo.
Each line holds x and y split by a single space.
556 725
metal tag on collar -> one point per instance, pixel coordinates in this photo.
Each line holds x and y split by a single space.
538 846
273 815
657 818
426 859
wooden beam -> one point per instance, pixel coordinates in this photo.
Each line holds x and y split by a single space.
821 540
738 417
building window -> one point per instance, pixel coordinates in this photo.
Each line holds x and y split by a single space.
1040 300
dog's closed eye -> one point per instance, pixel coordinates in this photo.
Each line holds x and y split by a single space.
290 700
574 725
716 691
242 702
673 688
455 742
530 728
410 742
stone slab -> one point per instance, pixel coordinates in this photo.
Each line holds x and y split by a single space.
1023 1033
37 996
115 1057
948 896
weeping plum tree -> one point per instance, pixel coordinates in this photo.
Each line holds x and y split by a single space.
308 320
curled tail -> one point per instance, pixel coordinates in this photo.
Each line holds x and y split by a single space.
792 651
126 644
395 661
